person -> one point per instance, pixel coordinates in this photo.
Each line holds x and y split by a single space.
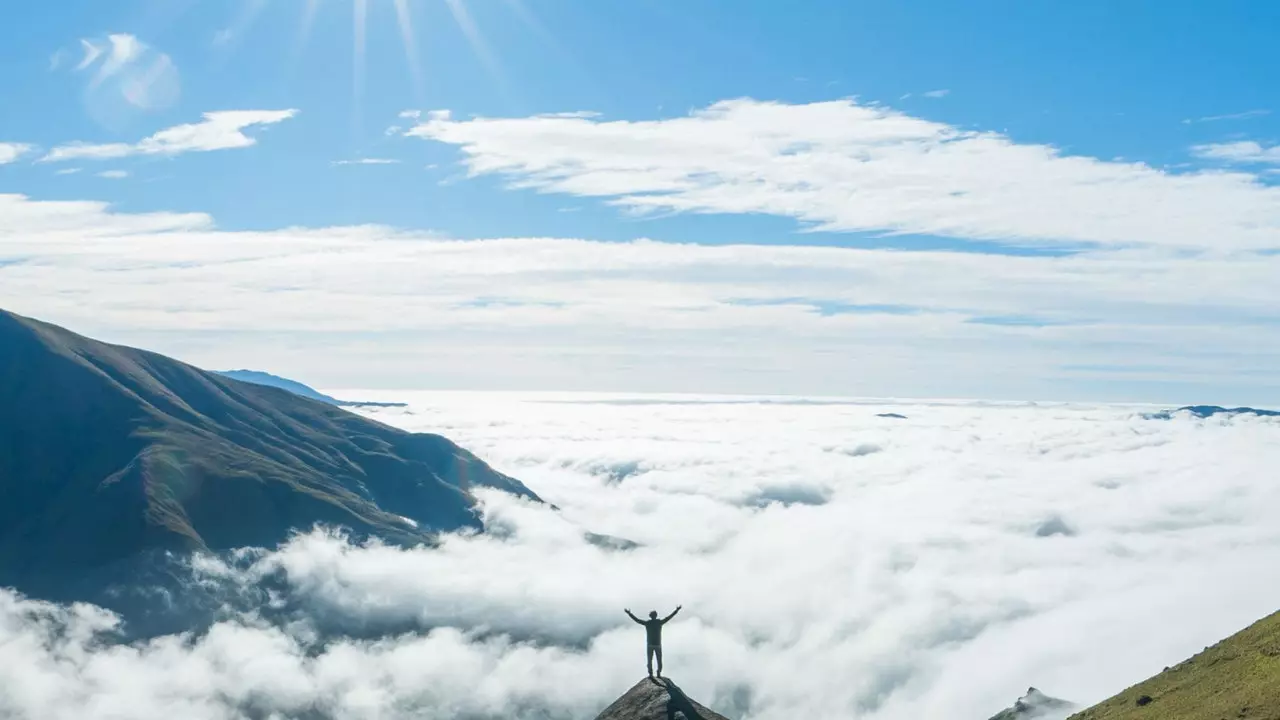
653 629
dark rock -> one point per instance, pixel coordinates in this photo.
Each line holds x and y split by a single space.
1054 525
1033 705
657 699
1208 411
1144 700
892 415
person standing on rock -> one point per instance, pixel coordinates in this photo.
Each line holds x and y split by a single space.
653 628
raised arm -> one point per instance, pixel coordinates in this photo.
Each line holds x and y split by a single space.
633 617
673 613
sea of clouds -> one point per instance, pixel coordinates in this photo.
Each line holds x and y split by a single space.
831 563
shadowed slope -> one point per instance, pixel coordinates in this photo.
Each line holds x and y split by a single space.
110 451
657 699
1236 678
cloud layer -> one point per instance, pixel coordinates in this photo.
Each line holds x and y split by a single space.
331 304
847 166
916 581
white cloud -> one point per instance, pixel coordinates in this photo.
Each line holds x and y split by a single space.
1244 151
67 171
366 161
582 314
114 174
936 93
92 51
218 131
129 74
10 152
1246 115
124 50
922 563
844 166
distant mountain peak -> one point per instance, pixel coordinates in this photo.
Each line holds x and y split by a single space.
258 377
657 699
1208 411
1034 705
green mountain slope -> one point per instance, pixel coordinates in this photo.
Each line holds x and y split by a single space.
110 451
1237 678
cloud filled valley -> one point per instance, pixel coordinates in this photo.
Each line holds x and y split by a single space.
831 563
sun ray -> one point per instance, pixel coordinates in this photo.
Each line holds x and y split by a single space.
304 30
244 21
478 44
410 48
359 21
533 23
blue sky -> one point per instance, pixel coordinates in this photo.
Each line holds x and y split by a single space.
986 127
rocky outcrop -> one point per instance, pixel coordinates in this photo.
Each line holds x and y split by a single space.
657 699
1034 706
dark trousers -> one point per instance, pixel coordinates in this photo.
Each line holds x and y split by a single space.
654 650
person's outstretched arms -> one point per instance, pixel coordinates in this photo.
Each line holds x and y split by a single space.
633 617
673 613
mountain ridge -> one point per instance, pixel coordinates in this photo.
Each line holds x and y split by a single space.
113 451
258 377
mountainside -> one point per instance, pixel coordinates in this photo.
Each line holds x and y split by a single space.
1236 678
257 377
657 699
111 452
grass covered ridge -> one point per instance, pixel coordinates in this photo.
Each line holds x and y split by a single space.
1237 678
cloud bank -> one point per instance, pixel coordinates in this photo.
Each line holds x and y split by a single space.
919 585
330 303
847 166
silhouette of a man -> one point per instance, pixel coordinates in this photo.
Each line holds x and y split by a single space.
653 628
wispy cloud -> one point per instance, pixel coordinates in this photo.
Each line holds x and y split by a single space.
841 166
1242 152
1246 115
114 174
218 131
367 161
126 67
936 93
11 152
67 171
122 49
871 321
92 51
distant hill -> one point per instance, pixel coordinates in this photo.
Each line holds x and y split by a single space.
258 377
1207 411
657 699
1236 678
111 453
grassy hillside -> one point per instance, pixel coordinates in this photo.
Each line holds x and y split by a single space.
1237 678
